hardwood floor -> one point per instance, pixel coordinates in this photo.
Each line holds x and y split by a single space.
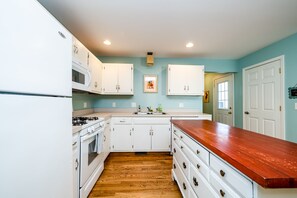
136 175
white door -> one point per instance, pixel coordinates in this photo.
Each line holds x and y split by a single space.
161 138
110 78
121 138
125 78
142 138
223 100
262 98
176 79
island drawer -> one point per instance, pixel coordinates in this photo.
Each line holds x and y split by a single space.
198 150
181 179
200 166
182 160
200 184
231 176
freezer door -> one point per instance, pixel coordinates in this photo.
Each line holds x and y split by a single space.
35 51
35 146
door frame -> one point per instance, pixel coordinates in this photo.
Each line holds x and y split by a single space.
282 90
215 94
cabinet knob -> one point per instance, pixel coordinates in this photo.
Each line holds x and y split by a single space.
184 165
195 181
181 147
181 137
222 173
174 150
174 166
185 187
174 139
198 166
76 164
197 152
222 193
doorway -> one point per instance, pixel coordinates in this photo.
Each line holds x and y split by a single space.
263 98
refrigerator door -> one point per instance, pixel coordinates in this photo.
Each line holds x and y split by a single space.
36 50
35 146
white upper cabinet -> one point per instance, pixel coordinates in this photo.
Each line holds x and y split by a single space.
117 79
96 74
35 50
185 80
80 54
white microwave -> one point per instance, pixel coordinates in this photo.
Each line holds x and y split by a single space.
81 77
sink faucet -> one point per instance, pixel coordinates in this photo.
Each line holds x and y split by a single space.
139 108
149 109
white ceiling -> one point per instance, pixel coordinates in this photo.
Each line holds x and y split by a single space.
218 28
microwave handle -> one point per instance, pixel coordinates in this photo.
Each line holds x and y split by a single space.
88 136
90 78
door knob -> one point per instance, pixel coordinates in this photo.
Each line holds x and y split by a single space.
246 112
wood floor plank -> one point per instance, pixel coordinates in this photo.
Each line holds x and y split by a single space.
136 175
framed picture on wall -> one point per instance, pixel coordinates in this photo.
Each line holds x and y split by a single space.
206 97
150 83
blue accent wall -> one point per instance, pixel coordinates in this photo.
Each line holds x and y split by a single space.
159 69
288 48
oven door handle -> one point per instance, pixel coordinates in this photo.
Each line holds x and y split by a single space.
86 137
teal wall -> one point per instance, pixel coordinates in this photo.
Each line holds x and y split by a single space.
160 69
288 48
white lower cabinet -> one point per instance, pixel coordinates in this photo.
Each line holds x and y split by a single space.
75 158
207 175
121 134
106 140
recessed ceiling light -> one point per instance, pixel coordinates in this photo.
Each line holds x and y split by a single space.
107 42
189 45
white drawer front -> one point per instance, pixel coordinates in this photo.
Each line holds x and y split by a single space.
221 188
158 121
175 139
182 182
199 151
176 131
200 166
200 185
182 160
121 120
232 177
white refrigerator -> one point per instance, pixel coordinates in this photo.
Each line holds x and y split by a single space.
35 103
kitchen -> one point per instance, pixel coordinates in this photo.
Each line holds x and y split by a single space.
19 57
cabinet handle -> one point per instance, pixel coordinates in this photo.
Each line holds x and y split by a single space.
195 181
76 162
174 131
222 173
62 35
185 187
174 150
185 87
174 139
104 138
222 193
197 152
188 87
174 166
184 165
198 166
181 147
181 137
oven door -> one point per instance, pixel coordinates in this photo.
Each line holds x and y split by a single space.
81 77
90 155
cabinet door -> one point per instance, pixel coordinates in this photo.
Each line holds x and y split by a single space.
176 80
96 72
125 78
106 143
80 53
35 50
195 80
110 79
161 138
121 138
142 137
75 171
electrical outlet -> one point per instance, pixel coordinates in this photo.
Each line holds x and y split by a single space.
181 105
114 104
295 106
85 105
133 104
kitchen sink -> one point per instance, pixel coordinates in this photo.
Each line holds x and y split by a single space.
149 113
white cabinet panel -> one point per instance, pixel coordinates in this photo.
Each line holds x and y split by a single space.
106 143
35 48
185 80
122 138
117 79
96 73
161 138
80 54
142 135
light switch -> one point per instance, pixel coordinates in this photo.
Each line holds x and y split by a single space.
296 106
133 104
85 105
114 104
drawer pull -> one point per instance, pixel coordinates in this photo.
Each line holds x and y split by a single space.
174 139
174 131
174 150
195 181
222 193
198 166
174 166
185 187
181 147
181 137
197 151
184 165
222 173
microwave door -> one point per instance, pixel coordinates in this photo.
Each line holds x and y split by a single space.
81 78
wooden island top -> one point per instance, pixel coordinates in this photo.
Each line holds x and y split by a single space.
270 162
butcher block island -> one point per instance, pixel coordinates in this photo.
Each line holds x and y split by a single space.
211 159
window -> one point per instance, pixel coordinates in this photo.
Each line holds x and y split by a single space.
223 99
